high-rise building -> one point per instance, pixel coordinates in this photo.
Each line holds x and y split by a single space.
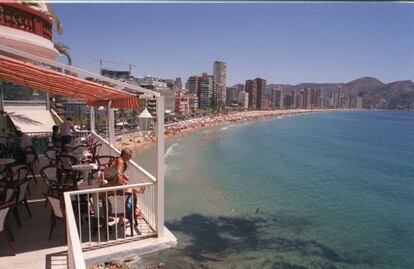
219 88
261 89
251 89
178 84
276 98
359 100
193 84
244 99
316 98
288 100
205 92
232 94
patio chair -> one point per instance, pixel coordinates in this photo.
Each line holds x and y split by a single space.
104 161
49 175
64 163
57 213
6 195
95 149
16 172
32 161
117 208
51 154
78 151
4 151
20 190
4 226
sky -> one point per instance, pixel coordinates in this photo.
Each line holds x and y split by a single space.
287 43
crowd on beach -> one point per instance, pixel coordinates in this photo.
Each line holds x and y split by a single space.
210 121
139 140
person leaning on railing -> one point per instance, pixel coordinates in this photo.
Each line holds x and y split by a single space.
67 129
114 174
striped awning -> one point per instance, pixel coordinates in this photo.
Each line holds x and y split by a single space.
51 81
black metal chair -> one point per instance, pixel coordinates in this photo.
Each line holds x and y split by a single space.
104 161
32 161
20 189
57 213
49 175
65 172
95 150
51 154
4 226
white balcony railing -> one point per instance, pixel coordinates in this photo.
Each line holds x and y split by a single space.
93 216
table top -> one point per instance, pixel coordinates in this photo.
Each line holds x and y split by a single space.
84 185
5 161
85 166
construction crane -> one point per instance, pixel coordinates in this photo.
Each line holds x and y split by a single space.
101 62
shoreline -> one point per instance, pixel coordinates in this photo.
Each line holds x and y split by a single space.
136 142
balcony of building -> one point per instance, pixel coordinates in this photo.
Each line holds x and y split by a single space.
27 29
96 226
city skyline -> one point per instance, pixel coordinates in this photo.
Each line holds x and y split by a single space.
285 43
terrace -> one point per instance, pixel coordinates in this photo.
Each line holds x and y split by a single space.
95 226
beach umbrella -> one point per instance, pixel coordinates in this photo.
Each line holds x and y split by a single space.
145 119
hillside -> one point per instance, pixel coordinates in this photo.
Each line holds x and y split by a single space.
397 95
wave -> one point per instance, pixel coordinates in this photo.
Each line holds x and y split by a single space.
226 127
172 150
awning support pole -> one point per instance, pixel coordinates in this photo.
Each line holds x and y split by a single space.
92 118
1 95
47 102
159 185
111 124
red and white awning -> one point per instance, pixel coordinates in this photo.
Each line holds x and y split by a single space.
51 81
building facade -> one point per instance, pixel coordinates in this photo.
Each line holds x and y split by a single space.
251 88
193 84
243 99
219 80
276 98
205 92
261 93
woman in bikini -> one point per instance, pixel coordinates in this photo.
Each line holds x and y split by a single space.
115 175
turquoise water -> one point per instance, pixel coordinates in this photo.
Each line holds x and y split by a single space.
327 190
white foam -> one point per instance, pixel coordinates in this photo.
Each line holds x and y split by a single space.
172 150
226 127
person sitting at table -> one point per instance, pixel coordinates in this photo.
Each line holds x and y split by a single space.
25 143
25 140
56 138
115 175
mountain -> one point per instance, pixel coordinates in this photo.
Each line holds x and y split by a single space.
394 95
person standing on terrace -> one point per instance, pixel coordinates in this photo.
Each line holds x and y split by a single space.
67 129
56 137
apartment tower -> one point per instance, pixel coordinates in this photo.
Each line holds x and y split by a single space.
219 88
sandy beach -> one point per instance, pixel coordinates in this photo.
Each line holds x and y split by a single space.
138 141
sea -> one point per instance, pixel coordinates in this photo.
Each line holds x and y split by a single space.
317 191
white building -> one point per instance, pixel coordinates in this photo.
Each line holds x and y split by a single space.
244 99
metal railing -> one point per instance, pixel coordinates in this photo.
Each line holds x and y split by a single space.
103 217
40 141
136 173
75 255
107 216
